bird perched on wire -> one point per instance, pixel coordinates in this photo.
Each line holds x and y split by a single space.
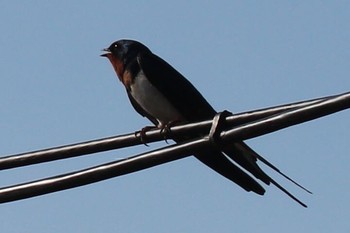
159 92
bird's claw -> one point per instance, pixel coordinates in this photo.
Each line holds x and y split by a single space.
166 131
142 134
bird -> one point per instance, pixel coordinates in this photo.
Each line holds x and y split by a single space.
160 93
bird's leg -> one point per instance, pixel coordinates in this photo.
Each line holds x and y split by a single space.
165 129
143 133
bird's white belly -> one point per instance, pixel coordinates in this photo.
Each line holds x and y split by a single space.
153 101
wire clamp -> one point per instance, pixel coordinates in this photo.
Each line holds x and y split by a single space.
218 125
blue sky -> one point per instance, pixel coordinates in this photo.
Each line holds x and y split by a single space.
242 55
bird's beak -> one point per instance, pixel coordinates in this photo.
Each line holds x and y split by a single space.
107 52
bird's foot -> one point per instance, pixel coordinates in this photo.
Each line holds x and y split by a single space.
142 133
166 131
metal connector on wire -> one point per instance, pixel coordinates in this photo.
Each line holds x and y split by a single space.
217 126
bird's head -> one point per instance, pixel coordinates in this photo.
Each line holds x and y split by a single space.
124 50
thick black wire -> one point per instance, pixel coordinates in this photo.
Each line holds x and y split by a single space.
101 172
105 171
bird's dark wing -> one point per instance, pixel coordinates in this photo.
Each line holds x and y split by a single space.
217 161
176 88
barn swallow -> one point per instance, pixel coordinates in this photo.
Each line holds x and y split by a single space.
159 92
